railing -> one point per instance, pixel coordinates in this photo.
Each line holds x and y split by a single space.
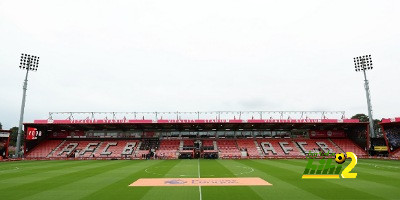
211 115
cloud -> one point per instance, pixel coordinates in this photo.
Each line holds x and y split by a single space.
189 56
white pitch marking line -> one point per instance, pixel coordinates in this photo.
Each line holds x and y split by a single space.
248 172
198 172
12 169
380 166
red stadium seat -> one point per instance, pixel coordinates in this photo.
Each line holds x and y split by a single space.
228 149
170 148
349 146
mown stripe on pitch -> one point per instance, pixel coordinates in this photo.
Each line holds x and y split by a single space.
364 174
4 169
28 178
174 193
35 187
87 186
185 167
381 162
378 179
319 187
386 167
120 189
214 167
364 178
26 162
281 189
23 171
394 174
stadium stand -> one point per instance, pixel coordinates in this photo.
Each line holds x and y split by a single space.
208 145
149 144
141 138
228 149
393 136
249 146
84 149
396 153
349 146
188 144
317 145
118 148
168 149
43 150
273 147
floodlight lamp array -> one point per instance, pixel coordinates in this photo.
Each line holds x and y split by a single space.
362 63
29 62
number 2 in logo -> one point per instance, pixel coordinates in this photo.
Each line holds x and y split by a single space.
346 172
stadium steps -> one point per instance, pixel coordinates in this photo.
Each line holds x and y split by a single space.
396 153
248 147
260 152
336 146
298 148
215 145
56 149
181 145
137 149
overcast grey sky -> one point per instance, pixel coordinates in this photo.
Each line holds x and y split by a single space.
198 55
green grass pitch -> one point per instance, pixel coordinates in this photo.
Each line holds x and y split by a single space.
377 179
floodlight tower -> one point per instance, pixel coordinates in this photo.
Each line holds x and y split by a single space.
363 63
28 63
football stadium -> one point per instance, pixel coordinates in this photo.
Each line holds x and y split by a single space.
196 155
199 100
